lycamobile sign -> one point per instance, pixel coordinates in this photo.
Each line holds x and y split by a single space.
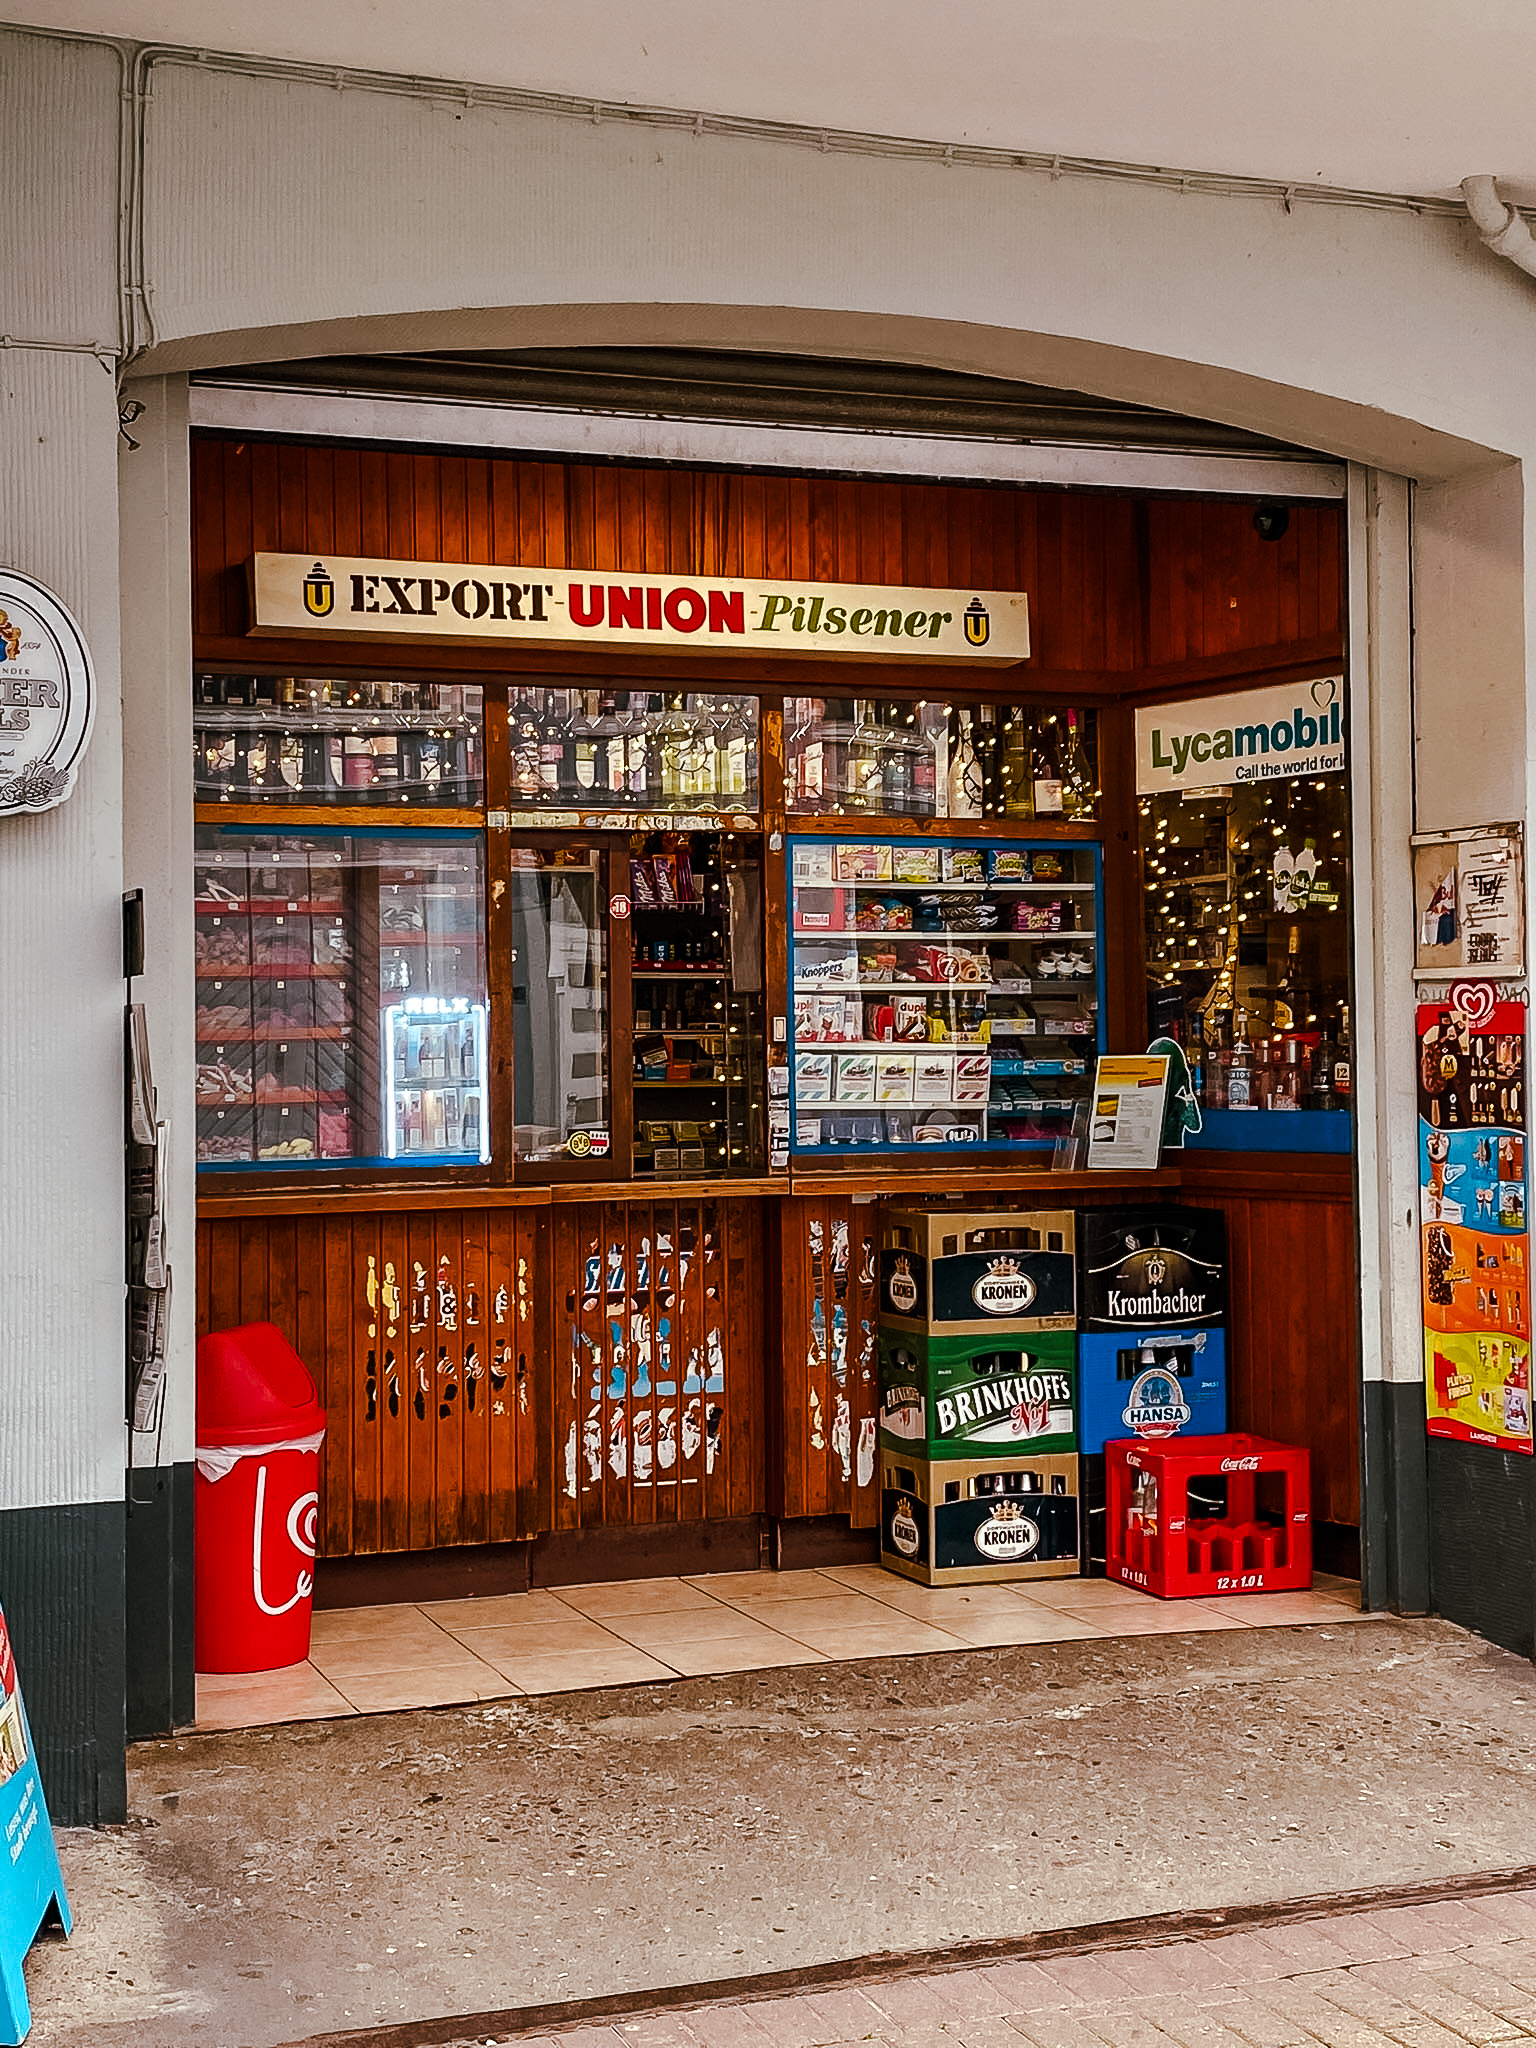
443 603
1272 735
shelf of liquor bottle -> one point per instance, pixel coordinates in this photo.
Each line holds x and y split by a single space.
908 824
688 1086
352 721
273 1098
266 906
677 974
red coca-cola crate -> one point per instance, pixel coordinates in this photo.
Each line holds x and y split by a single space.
1211 1515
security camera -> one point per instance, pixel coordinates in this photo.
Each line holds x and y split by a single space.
1271 521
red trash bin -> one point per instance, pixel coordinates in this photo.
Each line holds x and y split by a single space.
259 1430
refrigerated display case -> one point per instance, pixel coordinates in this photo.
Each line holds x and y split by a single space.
330 965
942 993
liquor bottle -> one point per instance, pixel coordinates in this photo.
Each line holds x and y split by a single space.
989 762
1018 792
896 764
732 746
1197 1061
699 775
862 787
1325 1057
806 754
1046 769
551 747
581 766
525 731
1079 790
645 763
1240 1073
1289 1014
674 743
925 764
1342 1065
964 789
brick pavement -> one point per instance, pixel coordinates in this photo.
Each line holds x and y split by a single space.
1457 1974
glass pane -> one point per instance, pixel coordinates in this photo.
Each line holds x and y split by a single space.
662 750
341 999
696 933
942 993
559 1005
897 757
1247 933
311 740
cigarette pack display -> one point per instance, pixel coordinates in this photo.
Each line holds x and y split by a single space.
854 1078
863 862
968 1521
956 1397
932 1076
893 1077
952 1275
813 1077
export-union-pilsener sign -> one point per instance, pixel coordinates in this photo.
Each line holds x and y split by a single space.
459 602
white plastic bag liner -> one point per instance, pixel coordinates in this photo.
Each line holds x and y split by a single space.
215 1462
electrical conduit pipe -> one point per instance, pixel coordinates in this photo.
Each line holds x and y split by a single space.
1500 226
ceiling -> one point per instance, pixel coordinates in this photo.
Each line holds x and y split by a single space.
1399 96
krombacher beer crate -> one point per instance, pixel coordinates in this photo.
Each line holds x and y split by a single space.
950 1275
1152 1348
1008 1391
962 1522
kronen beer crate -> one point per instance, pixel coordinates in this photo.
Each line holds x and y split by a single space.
1007 1392
961 1522
949 1275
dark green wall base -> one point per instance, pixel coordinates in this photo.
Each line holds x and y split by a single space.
61 1585
161 1687
1482 1562
1394 1534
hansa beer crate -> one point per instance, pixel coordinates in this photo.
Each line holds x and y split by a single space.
961 1522
945 1274
1006 1392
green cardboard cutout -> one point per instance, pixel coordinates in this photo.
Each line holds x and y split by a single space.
1181 1112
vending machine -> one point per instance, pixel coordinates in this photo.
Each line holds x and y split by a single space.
1152 1335
436 1080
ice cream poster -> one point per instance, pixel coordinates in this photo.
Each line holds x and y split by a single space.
31 1884
1478 1389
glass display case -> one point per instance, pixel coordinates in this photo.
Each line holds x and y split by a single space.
942 993
342 1009
697 983
560 1086
655 750
928 758
1246 894
315 740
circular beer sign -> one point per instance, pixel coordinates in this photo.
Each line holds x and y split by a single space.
47 697
1005 1538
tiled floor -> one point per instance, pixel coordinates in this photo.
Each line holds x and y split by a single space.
367 1660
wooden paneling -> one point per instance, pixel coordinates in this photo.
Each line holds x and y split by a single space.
423 1332
1293 1350
1117 585
828 1396
656 1362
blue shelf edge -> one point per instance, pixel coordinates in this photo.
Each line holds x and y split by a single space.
1273 1130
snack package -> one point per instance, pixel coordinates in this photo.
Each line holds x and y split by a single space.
932 1076
642 888
808 1130
855 1077
1005 864
1037 917
818 910
831 1018
805 1018
963 864
811 863
687 891
893 1076
664 868
914 864
910 1016
862 863
973 1077
813 1078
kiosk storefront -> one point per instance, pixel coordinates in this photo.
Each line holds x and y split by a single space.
613 883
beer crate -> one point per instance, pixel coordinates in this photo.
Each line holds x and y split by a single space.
1008 1391
1152 1344
962 1522
1208 1515
950 1274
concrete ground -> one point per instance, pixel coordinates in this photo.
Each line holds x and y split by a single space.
291 1881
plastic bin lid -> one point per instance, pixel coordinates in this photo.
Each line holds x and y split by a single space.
253 1388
